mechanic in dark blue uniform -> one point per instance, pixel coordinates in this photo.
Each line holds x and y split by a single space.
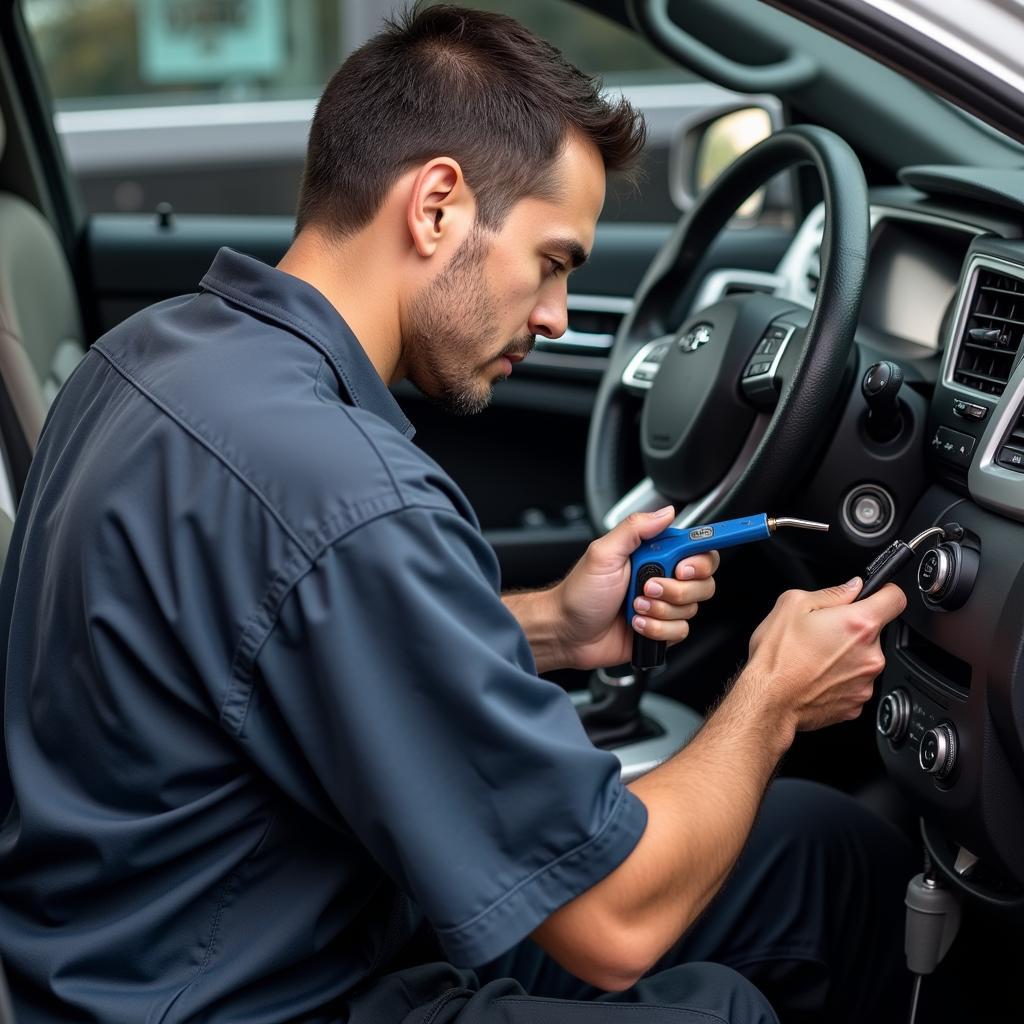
279 750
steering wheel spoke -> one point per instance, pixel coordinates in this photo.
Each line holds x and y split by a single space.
640 371
644 497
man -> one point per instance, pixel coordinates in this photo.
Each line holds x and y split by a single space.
278 749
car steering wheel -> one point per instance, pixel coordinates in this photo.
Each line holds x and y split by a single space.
741 395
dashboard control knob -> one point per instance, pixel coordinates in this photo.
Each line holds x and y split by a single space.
893 716
937 753
946 574
935 572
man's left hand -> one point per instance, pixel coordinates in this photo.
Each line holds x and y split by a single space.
590 619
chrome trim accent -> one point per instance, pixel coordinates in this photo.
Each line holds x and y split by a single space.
932 531
850 498
968 283
965 860
629 378
716 285
680 722
600 303
575 340
641 498
942 571
620 681
989 483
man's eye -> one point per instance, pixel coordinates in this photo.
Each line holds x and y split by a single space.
555 268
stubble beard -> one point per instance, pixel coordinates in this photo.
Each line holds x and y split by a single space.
448 323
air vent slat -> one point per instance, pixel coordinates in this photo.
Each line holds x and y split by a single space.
989 348
1000 291
992 332
1000 319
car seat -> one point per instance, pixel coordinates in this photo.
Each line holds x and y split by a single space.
41 333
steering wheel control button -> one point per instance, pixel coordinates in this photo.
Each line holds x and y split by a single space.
759 383
953 446
1011 458
938 750
893 716
868 510
969 410
644 366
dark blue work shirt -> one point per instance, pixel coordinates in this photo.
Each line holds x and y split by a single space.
266 716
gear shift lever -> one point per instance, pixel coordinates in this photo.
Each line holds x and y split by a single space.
880 388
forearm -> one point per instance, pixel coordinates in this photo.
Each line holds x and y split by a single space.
537 614
701 806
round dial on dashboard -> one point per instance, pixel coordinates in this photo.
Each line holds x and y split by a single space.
937 753
893 716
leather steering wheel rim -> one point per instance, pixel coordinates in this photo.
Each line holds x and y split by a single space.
805 406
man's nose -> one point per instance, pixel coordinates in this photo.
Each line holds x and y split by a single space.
549 320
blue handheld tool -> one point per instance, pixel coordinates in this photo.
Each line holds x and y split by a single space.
659 557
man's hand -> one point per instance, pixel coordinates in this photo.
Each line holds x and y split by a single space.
816 656
812 663
590 621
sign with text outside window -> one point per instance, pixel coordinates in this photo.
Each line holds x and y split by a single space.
210 40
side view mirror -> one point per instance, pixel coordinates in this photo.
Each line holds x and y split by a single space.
702 150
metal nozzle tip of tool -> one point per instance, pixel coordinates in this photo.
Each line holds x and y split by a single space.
800 524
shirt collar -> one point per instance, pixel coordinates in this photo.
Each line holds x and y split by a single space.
302 310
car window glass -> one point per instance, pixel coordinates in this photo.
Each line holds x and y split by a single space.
205 104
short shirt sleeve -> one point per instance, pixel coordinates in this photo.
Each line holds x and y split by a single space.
409 691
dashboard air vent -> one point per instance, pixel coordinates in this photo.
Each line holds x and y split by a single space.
992 334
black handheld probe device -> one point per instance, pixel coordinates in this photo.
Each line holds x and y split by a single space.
659 557
884 566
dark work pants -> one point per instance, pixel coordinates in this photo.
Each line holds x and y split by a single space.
812 916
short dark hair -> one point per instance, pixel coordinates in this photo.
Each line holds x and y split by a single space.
448 81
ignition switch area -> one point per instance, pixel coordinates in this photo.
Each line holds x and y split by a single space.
947 572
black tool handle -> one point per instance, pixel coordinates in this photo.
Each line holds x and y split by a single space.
884 568
647 653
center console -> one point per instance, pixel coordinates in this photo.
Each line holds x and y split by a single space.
950 719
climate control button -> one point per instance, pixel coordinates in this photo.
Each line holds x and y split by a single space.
937 753
893 716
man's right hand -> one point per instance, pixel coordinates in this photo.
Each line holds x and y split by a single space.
814 659
812 662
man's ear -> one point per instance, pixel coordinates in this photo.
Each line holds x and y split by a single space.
441 207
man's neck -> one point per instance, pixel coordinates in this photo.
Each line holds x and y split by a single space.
353 281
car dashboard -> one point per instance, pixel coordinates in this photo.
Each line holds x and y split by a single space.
944 299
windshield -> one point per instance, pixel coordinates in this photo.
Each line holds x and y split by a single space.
989 33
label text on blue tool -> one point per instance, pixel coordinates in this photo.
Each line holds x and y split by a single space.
702 533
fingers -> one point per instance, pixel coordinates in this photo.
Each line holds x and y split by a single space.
832 596
698 567
671 631
675 592
619 543
886 604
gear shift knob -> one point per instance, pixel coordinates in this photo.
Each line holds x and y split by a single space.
880 388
